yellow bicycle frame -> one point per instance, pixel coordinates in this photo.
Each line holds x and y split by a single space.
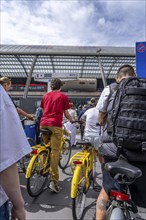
81 161
38 148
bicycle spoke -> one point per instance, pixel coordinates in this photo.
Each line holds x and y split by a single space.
78 202
39 174
24 161
37 182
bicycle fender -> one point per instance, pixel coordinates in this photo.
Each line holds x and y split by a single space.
75 180
29 168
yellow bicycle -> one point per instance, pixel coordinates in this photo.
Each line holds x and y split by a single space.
83 169
24 161
65 151
38 168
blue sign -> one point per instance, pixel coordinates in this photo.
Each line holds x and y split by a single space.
141 59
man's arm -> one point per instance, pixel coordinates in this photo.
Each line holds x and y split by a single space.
102 118
102 105
9 180
21 112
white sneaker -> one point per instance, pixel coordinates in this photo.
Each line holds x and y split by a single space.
54 187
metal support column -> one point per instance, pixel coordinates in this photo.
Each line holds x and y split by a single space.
102 72
29 77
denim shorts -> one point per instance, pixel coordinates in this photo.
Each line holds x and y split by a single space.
4 211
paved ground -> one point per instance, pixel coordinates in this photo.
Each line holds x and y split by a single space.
51 206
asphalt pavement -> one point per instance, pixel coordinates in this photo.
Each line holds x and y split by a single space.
58 206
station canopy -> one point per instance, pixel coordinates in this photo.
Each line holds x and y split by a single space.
88 62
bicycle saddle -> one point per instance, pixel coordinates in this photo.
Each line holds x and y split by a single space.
46 131
123 167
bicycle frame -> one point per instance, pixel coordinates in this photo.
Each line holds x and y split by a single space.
120 202
36 152
81 160
65 135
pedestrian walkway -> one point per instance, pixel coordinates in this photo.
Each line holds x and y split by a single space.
52 206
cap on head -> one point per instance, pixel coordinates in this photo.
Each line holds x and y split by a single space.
56 84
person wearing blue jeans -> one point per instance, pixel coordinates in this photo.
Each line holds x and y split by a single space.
4 211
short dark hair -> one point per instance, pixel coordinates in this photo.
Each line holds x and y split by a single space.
56 84
71 104
126 70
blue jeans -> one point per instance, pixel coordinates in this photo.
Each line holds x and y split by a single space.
4 211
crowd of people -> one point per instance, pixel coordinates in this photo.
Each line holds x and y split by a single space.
55 110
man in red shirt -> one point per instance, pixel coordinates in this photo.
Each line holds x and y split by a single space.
54 105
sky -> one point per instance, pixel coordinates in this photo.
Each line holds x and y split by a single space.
73 22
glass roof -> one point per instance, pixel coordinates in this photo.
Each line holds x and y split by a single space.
19 61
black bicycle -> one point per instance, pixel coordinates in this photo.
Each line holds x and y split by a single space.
120 204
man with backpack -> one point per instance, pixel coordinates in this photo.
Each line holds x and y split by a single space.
122 112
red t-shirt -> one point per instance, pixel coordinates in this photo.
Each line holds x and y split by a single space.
53 104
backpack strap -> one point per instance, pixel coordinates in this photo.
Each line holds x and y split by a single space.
113 87
120 150
136 91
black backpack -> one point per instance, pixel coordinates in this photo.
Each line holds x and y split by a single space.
126 114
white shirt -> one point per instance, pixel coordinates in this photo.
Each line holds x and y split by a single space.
103 100
13 141
91 117
73 113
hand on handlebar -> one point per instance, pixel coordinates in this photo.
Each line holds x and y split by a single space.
72 121
76 121
30 117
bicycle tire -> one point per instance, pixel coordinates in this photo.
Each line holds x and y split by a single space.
38 177
78 203
24 161
116 213
65 154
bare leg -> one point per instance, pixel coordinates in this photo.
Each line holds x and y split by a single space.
101 205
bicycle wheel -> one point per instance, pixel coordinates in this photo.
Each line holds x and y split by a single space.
65 154
78 203
117 213
38 173
24 161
